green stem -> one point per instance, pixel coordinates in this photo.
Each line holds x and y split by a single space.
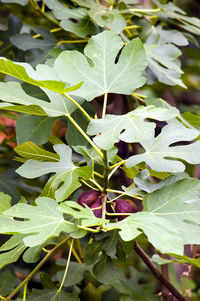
104 105
118 164
98 175
85 135
141 10
85 183
96 184
124 193
78 106
67 266
27 279
71 42
105 186
25 290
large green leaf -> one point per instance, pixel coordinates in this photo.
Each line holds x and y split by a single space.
179 203
170 218
34 128
160 155
163 62
67 175
101 74
130 127
41 222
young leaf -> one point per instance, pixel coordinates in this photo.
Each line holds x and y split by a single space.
41 222
67 175
29 150
158 152
101 74
136 129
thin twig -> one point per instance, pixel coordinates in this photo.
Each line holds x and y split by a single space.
145 258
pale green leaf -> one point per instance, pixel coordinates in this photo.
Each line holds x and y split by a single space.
160 233
85 215
63 184
136 129
170 219
102 75
41 222
160 156
142 181
67 175
179 204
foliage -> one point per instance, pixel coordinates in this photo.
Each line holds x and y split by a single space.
91 125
